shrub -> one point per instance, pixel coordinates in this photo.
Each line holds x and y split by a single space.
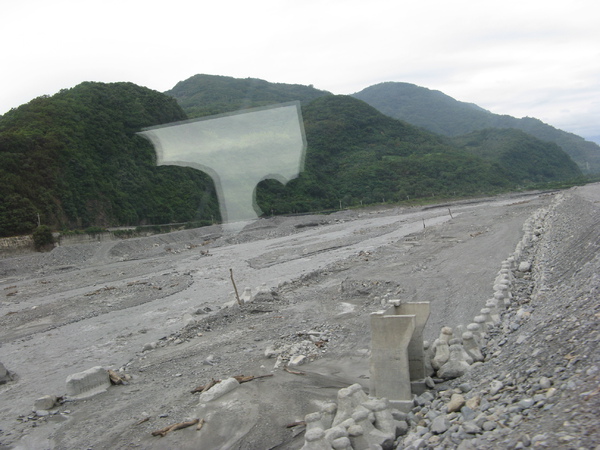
43 238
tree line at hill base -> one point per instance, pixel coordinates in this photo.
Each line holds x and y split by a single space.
73 160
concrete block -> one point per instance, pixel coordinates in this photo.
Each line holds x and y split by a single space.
389 365
45 403
87 383
416 355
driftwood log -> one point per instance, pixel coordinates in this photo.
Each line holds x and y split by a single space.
240 379
176 426
293 372
115 378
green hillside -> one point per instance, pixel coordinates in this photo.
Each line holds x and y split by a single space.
75 160
442 114
356 154
205 95
526 159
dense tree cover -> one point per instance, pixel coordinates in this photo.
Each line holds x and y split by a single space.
356 155
205 95
75 160
527 159
444 115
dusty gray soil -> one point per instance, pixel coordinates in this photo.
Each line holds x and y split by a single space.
162 310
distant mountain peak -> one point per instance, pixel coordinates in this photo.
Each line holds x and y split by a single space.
442 114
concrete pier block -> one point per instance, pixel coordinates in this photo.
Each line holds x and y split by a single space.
492 305
446 334
471 347
465 355
313 420
87 383
348 400
456 365
357 438
328 413
429 354
480 320
475 330
442 353
389 366
315 440
373 435
335 433
416 355
499 297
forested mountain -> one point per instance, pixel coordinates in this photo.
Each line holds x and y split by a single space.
75 160
205 95
525 158
442 114
358 155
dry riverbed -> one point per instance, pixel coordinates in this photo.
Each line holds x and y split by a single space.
162 310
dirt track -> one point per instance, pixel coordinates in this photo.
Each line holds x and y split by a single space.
101 304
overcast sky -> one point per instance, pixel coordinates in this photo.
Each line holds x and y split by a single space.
535 58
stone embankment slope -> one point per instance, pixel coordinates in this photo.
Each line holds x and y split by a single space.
540 384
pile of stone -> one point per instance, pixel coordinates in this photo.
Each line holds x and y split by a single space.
356 421
452 416
476 418
454 352
298 353
467 418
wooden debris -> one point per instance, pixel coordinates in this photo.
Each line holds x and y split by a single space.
200 425
114 377
293 372
240 379
205 387
296 424
176 426
237 296
244 379
145 419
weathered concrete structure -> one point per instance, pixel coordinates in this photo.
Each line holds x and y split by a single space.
397 355
416 354
87 383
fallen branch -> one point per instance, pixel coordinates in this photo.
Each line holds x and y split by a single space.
296 424
145 419
293 372
235 288
115 378
177 426
244 379
240 379
200 425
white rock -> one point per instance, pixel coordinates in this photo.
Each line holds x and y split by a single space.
219 389
45 403
297 360
525 266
